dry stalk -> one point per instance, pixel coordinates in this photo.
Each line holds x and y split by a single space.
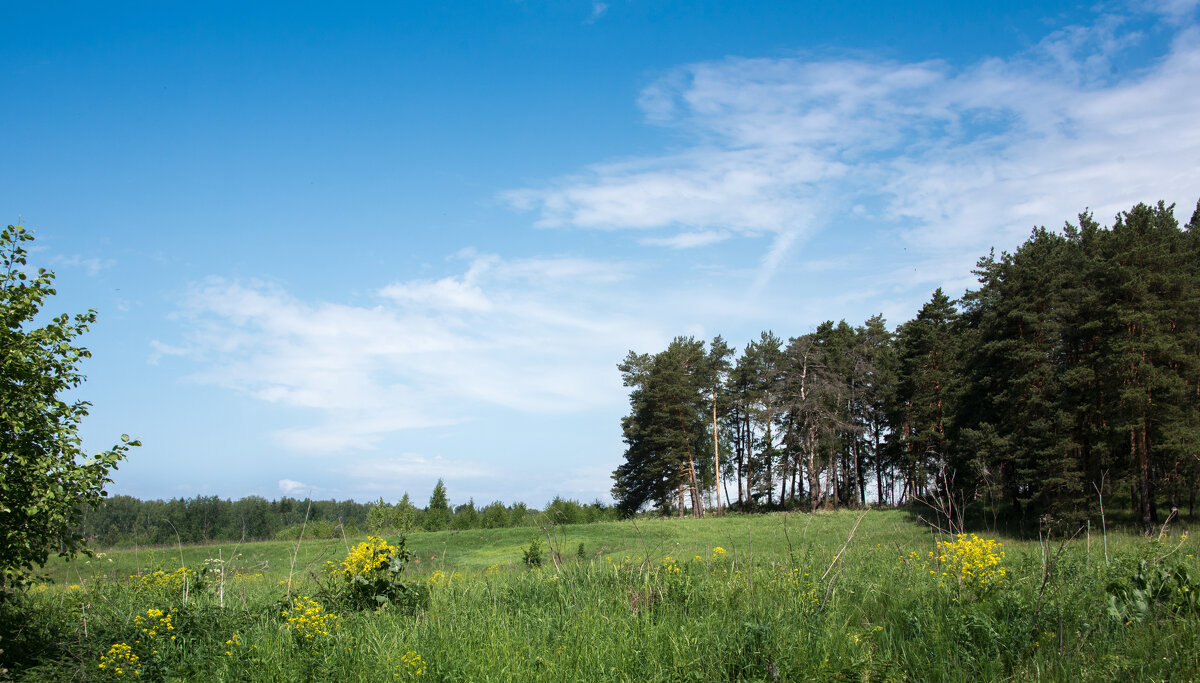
944 505
1048 566
179 545
221 582
844 545
1103 523
837 562
296 552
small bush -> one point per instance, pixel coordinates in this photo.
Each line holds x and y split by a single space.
369 577
533 554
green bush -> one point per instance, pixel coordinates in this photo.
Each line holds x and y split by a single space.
371 577
533 555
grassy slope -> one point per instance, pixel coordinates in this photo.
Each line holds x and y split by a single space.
876 615
476 550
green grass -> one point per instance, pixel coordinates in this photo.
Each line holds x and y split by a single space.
766 536
775 606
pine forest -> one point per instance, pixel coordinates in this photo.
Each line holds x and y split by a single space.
1068 379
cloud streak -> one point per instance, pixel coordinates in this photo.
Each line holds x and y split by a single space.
952 159
910 170
529 335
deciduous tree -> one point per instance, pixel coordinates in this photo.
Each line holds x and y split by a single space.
46 479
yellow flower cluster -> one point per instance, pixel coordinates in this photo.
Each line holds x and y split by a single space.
119 660
628 565
411 665
307 618
971 560
441 578
233 643
161 579
670 566
373 554
718 553
155 622
809 595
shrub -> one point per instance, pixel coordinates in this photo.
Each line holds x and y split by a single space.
369 577
1152 591
307 619
533 554
972 561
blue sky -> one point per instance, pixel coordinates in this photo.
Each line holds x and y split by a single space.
347 250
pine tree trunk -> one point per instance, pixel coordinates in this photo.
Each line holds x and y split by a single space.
814 485
749 463
716 452
741 456
878 471
1138 436
769 451
697 504
833 481
795 478
855 488
783 480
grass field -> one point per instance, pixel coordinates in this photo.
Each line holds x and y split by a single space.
770 597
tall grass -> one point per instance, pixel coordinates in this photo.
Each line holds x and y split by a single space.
739 598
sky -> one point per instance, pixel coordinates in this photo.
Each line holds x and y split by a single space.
344 250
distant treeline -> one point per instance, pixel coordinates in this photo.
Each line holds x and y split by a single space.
126 521
1069 378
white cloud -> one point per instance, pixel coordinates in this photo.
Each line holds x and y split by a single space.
934 160
1177 11
598 10
536 335
92 265
291 487
396 472
159 350
688 240
956 158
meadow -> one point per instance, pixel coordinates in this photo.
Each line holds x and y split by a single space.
875 596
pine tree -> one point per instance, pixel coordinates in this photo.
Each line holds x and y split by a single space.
927 357
767 360
437 514
665 429
1013 422
718 367
809 407
1144 270
876 342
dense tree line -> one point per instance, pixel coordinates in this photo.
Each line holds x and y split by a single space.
125 521
1071 375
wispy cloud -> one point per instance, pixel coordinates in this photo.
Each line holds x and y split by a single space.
934 160
397 472
531 335
291 487
687 240
598 10
1176 11
92 265
953 158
